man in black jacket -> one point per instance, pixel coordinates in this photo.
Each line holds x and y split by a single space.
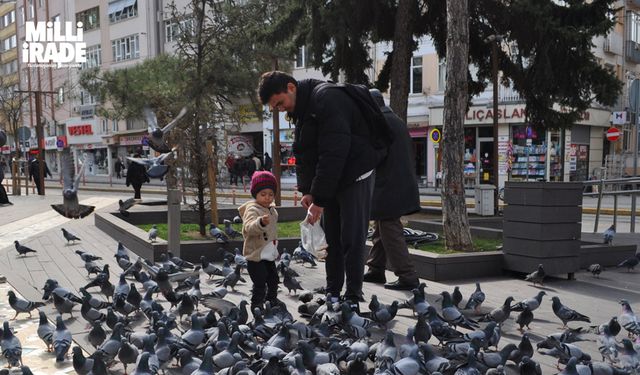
395 194
335 161
34 171
136 176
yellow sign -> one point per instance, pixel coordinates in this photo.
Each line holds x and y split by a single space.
435 136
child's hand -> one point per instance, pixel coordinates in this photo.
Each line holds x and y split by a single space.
265 220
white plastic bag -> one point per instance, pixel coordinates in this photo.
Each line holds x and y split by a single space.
313 239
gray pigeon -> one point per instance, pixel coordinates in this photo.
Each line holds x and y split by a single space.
153 233
595 269
124 206
97 335
531 303
70 207
143 365
566 314
87 257
45 331
628 320
11 346
524 318
128 354
216 233
229 231
22 306
156 167
609 234
63 304
537 276
23 250
69 236
500 314
630 263
61 339
476 299
291 283
81 364
452 315
157 135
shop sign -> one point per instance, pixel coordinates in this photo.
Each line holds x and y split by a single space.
50 143
240 145
6 149
90 146
130 140
76 130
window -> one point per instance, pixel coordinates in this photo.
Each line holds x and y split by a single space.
8 19
114 125
442 74
60 98
125 48
10 67
86 98
90 18
94 57
105 126
9 43
122 9
173 29
415 79
131 124
32 11
41 3
634 27
300 58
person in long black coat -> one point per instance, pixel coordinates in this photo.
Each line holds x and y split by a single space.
34 171
395 194
268 162
136 176
4 198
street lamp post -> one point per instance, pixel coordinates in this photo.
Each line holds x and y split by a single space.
495 40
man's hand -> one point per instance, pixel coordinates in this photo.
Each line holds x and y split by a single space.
314 213
264 220
306 200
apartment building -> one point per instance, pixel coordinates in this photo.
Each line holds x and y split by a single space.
8 58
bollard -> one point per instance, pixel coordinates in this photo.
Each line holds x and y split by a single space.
233 195
295 199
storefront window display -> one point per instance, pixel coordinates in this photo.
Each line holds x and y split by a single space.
96 161
531 159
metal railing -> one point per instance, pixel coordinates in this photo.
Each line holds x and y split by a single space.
612 187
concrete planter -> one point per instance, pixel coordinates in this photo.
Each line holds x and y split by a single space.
442 267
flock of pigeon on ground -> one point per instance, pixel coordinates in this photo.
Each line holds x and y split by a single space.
193 332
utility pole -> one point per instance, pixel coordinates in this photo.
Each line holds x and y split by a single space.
494 40
39 131
277 168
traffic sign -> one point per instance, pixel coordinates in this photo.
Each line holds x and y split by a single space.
145 143
613 134
24 133
435 136
60 144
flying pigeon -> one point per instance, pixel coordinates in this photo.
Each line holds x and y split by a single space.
609 234
155 166
157 135
537 276
70 206
23 250
69 236
124 206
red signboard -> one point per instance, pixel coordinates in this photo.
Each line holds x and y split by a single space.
80 130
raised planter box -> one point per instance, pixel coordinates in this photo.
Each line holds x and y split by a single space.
442 267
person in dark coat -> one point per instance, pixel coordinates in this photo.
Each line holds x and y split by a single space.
34 171
4 198
249 166
238 170
136 176
268 162
395 194
118 168
229 164
335 161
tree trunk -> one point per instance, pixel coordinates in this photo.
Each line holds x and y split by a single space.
454 211
403 46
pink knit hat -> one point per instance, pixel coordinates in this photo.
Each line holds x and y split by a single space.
263 180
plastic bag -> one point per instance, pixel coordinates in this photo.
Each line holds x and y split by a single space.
313 239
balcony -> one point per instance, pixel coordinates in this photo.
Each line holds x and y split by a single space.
508 95
632 51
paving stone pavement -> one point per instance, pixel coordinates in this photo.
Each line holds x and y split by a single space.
597 298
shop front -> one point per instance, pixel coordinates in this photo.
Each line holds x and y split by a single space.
420 150
51 151
86 144
525 152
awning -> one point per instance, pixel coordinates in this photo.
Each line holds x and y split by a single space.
119 5
418 133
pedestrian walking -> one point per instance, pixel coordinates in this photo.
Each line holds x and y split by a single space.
136 176
250 166
238 170
268 162
4 198
335 162
34 172
119 166
395 194
259 229
229 162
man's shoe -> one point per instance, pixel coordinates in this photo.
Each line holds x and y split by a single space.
402 285
374 277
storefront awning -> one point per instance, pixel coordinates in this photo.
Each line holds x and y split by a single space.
418 133
119 5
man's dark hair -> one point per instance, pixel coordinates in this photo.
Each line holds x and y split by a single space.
272 83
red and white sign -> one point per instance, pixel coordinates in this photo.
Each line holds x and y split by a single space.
76 130
613 134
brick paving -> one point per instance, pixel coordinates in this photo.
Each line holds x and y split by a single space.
597 298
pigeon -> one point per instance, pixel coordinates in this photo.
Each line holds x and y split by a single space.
291 283
70 207
476 299
216 233
69 236
452 315
524 349
124 206
87 257
52 286
63 304
609 234
153 233
238 258
97 335
456 297
524 318
209 268
90 314
143 367
11 346
495 359
61 339
179 261
22 306
527 366
537 276
45 331
566 314
630 263
237 220
628 320
128 354
23 250
188 363
531 303
81 364
229 231
595 269
232 279
109 349
304 256
155 165
500 314
157 135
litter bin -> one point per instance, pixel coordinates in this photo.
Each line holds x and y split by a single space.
484 200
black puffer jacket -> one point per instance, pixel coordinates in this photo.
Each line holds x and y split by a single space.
396 189
332 143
